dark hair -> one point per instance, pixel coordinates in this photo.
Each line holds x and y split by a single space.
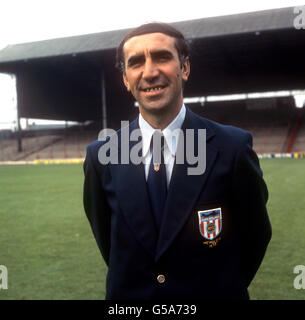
181 44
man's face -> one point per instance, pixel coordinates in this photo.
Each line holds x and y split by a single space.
153 72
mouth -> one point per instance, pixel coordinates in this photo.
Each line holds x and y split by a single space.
154 89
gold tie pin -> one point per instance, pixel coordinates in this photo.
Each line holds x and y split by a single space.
156 166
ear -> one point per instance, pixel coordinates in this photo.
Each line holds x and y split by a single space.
185 69
126 81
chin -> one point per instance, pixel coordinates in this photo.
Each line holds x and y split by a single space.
156 109
155 106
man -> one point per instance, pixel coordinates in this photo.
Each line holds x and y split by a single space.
205 236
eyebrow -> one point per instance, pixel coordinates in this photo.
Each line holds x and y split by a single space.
156 54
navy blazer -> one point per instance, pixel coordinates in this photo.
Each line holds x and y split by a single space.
117 206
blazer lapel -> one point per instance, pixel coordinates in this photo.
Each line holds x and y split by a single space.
184 189
134 200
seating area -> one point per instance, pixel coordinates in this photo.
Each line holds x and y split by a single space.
269 139
30 146
49 144
299 142
270 122
71 146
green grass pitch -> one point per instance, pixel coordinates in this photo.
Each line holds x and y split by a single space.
48 247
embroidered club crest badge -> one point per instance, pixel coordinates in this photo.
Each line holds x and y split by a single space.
210 223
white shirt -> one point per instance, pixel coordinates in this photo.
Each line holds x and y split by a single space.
170 145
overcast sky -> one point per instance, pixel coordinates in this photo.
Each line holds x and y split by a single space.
34 20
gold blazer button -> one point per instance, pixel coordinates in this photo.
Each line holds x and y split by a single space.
161 278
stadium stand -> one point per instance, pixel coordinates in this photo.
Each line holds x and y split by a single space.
251 52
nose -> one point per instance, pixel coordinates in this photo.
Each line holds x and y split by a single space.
150 70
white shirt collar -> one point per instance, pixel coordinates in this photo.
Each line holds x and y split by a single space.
147 132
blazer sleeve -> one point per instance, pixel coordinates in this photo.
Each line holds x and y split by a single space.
95 205
250 196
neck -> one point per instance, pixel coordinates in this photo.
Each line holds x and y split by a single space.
160 120
159 123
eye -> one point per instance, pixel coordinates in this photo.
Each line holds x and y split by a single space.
135 62
162 57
